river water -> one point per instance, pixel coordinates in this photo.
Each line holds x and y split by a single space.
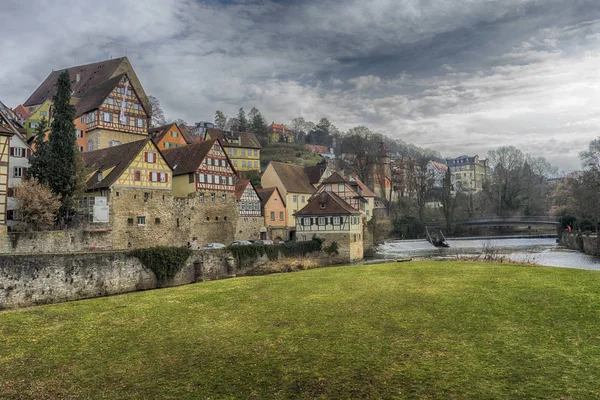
539 251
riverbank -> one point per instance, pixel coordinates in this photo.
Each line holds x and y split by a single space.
405 330
585 243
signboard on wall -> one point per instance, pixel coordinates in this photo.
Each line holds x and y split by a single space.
100 209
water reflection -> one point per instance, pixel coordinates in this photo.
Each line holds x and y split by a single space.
540 251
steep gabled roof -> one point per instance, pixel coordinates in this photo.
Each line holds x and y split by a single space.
314 173
24 111
90 75
185 131
159 132
327 203
95 96
365 191
117 157
240 187
187 159
246 139
266 193
334 178
293 177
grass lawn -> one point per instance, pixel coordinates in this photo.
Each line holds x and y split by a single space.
432 330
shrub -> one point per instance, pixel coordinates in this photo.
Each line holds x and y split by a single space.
332 249
164 262
245 255
585 225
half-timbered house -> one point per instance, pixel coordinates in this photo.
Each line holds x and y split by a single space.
351 192
170 136
328 216
129 194
204 180
18 164
250 222
243 148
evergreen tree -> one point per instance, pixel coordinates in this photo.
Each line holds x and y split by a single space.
220 119
38 161
242 122
258 126
62 151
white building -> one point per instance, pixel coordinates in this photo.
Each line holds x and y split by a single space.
18 163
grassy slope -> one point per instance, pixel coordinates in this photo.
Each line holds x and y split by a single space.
289 153
415 330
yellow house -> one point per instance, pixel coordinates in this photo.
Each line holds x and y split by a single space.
243 148
129 193
294 186
38 112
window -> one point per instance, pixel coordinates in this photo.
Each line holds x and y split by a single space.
306 221
303 199
150 156
322 221
110 100
230 180
174 134
272 215
235 164
328 187
17 152
141 220
164 177
129 221
295 199
90 117
235 152
82 119
124 120
341 187
18 172
243 163
223 163
255 153
255 164
136 106
223 197
281 215
336 221
79 133
209 178
146 196
157 221
140 123
201 178
137 176
43 113
100 176
229 152
113 143
212 197
367 212
201 197
33 125
243 152
107 117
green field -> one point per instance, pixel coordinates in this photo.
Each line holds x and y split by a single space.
431 330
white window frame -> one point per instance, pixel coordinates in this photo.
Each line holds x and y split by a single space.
337 221
201 178
140 122
322 221
141 220
17 172
107 117
306 221
209 178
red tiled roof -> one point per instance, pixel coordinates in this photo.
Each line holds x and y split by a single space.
24 111
187 159
159 132
90 75
293 177
240 187
365 191
316 148
327 203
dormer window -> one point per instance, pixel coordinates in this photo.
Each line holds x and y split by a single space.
100 176
323 205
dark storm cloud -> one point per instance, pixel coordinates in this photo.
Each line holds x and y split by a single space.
458 76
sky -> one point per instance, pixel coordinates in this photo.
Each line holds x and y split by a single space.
456 76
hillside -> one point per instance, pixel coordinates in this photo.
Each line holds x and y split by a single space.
412 330
288 153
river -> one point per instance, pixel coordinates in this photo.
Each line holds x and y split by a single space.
539 251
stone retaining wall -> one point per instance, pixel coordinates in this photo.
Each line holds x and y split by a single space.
587 244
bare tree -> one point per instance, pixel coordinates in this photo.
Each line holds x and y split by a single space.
158 116
38 206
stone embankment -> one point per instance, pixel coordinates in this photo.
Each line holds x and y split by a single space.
586 243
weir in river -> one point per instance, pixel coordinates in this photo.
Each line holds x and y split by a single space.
540 250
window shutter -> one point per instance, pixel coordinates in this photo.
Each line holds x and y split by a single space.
331 220
12 151
166 177
24 172
28 153
150 176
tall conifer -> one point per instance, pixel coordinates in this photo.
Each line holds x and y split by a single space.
38 161
62 147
